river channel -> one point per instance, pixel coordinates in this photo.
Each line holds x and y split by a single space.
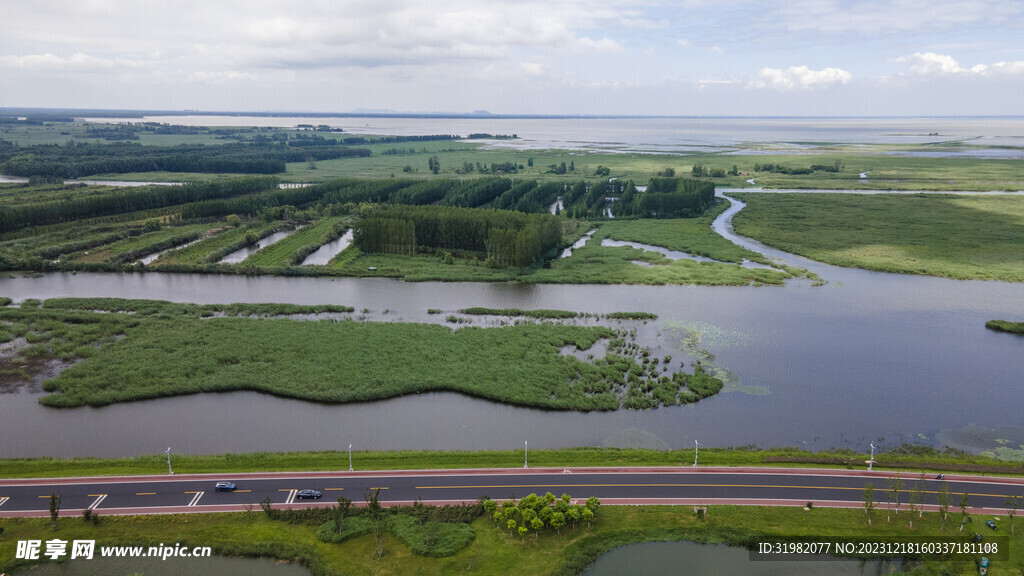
867 357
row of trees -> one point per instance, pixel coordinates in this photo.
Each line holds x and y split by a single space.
916 500
77 160
125 200
668 198
528 196
539 512
836 166
509 238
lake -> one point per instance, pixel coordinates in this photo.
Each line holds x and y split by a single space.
649 135
867 357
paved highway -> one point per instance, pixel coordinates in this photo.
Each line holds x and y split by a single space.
195 493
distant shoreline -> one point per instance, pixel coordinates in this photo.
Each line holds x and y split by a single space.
16 111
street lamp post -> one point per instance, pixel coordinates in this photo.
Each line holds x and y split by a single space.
871 462
349 457
696 450
526 453
169 471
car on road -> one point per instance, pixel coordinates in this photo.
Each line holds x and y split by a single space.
224 487
303 494
991 524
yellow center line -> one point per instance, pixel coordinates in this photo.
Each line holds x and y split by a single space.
378 488
196 492
333 488
145 493
243 490
881 491
96 495
282 490
47 496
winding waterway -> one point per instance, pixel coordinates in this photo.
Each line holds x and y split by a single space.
867 357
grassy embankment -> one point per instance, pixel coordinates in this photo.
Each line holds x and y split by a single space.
976 237
171 349
911 458
1004 326
493 550
133 248
212 249
293 249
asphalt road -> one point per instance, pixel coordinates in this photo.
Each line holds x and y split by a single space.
195 493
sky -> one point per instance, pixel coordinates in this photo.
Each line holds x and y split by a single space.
684 57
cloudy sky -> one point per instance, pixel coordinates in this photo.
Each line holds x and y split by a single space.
683 57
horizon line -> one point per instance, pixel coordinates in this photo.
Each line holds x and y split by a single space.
108 112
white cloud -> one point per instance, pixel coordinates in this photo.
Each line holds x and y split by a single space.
799 77
231 34
77 62
645 24
220 77
931 64
602 46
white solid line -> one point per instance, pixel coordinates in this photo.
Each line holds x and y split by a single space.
195 499
96 503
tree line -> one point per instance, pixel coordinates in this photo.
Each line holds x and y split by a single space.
126 200
76 160
508 238
666 198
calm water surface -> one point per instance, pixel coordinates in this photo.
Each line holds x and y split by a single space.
867 357
660 135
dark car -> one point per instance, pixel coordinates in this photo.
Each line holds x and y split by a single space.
314 494
224 487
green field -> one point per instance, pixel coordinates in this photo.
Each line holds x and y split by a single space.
149 349
132 248
215 246
280 253
493 550
596 264
964 237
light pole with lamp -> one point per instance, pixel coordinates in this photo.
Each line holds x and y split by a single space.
696 449
349 457
526 453
169 471
871 462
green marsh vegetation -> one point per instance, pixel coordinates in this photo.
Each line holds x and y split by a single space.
963 237
148 151
596 264
139 349
293 249
691 235
565 552
1005 326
